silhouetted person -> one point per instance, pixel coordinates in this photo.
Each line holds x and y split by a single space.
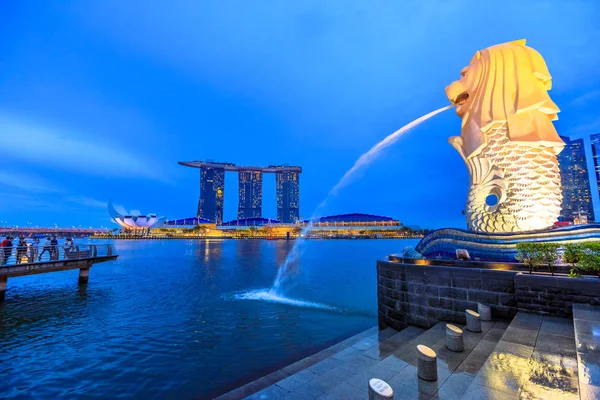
21 250
6 249
47 248
68 247
33 249
54 251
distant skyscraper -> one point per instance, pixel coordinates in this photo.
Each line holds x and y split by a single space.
288 196
575 181
212 190
212 193
250 194
595 139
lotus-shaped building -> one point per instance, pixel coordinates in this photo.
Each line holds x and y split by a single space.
134 219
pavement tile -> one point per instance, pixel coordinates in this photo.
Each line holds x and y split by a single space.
478 392
550 387
240 393
494 334
558 344
476 358
448 358
403 392
298 379
587 343
367 342
589 368
455 387
358 363
380 371
268 393
304 392
391 363
325 366
556 363
527 321
346 392
326 382
525 337
586 312
504 372
386 333
299 365
557 326
408 376
501 324
514 349
587 327
346 354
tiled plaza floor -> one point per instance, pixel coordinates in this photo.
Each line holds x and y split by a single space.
533 357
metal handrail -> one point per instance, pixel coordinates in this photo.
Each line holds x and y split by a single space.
33 253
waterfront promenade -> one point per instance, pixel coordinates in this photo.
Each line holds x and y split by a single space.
528 357
17 262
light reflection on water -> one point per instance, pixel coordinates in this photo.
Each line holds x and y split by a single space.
160 322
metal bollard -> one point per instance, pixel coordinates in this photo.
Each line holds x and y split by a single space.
473 321
485 312
380 390
454 338
426 363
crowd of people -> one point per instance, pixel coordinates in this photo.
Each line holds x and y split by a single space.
29 251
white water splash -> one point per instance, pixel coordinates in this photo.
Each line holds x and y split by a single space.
363 161
270 296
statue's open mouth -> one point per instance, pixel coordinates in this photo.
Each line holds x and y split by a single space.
461 99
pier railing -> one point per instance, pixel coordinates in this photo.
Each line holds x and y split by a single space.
39 253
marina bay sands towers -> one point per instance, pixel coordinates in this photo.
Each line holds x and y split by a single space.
212 190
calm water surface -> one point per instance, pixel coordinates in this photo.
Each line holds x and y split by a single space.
172 319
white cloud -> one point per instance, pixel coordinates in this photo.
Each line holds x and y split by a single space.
68 150
88 201
25 182
581 100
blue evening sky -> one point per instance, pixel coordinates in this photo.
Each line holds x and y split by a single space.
100 100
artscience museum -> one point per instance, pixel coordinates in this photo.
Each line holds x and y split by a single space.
134 219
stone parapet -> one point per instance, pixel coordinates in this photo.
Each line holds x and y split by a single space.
423 295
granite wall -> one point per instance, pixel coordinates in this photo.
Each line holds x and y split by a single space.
423 295
549 295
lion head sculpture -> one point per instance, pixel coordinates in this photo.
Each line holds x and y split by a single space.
508 83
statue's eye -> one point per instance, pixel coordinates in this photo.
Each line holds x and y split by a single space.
462 74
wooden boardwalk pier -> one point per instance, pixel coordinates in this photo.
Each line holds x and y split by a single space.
17 262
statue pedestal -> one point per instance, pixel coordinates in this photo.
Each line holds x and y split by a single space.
443 243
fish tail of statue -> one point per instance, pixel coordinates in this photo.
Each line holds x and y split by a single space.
508 140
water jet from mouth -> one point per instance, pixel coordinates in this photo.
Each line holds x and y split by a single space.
283 274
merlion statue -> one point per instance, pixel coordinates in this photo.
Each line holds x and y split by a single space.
508 140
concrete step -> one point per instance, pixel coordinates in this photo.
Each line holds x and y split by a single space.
586 321
535 358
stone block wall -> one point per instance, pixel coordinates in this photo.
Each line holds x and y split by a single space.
423 295
548 295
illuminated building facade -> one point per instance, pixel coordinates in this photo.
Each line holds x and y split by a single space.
250 194
288 196
134 220
212 193
595 139
212 190
577 200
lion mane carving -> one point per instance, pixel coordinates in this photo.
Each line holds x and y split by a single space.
508 140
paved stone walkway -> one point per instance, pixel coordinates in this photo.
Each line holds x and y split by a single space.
587 335
345 373
535 359
532 358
